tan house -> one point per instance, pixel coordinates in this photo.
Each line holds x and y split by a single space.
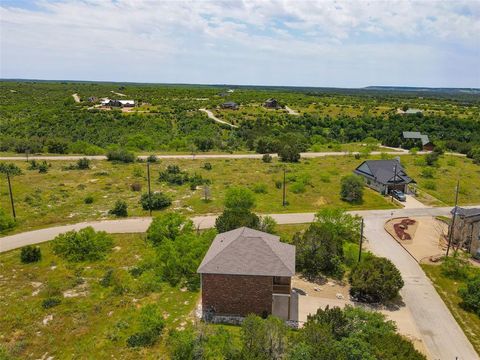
244 272
466 229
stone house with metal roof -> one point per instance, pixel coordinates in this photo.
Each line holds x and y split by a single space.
466 229
244 272
384 175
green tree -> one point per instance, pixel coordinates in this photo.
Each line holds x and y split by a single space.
120 209
239 198
352 189
470 295
375 280
239 202
169 226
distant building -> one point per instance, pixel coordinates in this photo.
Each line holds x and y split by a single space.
118 103
230 105
427 145
466 229
384 175
244 272
409 111
92 99
271 104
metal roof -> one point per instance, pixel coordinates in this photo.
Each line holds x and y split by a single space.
245 251
416 135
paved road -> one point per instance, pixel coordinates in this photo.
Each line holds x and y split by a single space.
441 334
304 155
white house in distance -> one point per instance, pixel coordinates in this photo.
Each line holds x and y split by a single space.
117 103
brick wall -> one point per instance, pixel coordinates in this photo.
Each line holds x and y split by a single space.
237 294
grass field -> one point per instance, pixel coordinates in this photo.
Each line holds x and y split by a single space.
95 325
447 289
58 196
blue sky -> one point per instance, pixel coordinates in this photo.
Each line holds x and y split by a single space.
287 42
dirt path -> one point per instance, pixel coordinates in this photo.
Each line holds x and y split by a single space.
76 97
116 93
214 118
291 111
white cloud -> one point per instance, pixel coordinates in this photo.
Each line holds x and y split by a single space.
163 36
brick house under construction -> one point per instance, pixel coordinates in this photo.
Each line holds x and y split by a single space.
466 229
244 272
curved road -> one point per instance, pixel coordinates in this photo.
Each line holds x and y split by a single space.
441 334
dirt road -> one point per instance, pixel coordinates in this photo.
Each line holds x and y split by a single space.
76 97
214 118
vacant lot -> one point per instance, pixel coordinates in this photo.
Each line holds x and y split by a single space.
448 291
92 319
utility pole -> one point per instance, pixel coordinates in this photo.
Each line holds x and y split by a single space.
11 196
361 242
149 190
284 202
394 178
452 227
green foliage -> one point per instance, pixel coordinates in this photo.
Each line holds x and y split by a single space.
260 188
57 146
375 280
10 169
267 158
6 221
352 188
83 164
207 166
43 167
30 254
88 199
430 185
474 154
470 295
169 226
120 155
267 224
455 267
51 302
158 201
151 325
233 219
431 159
297 187
239 198
263 339
152 158
84 245
120 209
427 173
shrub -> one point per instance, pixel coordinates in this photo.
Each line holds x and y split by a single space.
158 201
88 199
430 185
207 166
267 158
352 188
427 173
260 188
120 155
83 163
30 254
84 245
168 226
136 186
151 326
152 158
239 198
297 188
455 267
471 295
120 209
51 302
431 158
232 219
375 280
43 167
6 221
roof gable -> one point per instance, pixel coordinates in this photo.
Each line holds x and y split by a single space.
384 171
246 251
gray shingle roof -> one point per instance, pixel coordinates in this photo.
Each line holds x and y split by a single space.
245 251
416 135
383 171
463 212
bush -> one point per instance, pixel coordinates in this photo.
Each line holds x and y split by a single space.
43 167
454 267
168 226
57 146
233 219
83 164
352 188
239 198
30 254
88 199
51 302
260 188
152 158
120 209
267 158
375 280
207 166
427 173
151 326
431 158
6 221
136 186
471 295
278 184
120 155
430 185
297 188
84 245
158 201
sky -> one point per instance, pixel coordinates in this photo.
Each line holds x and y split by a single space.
256 42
